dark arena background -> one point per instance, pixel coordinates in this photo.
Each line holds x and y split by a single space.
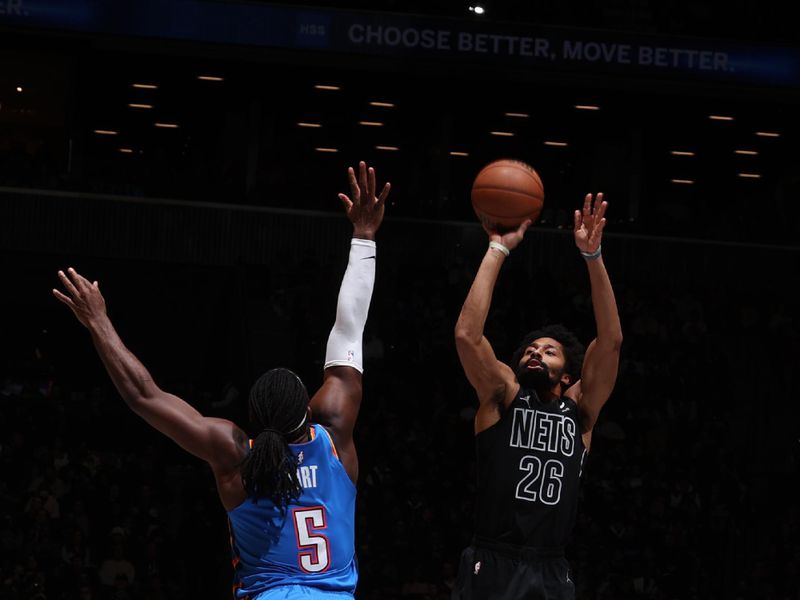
188 155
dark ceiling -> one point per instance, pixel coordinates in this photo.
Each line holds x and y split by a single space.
254 136
766 21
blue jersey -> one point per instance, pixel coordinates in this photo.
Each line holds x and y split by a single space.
312 542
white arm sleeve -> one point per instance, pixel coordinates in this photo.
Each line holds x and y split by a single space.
344 343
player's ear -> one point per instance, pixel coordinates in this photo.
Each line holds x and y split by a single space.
566 380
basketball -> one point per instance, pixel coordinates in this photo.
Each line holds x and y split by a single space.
507 192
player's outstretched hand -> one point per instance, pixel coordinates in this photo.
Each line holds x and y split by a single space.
83 298
363 208
589 224
509 239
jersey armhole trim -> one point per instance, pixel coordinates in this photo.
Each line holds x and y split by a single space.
330 439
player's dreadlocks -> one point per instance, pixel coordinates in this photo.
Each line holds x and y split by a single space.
278 403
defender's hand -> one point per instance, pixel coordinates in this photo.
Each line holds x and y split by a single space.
83 298
364 209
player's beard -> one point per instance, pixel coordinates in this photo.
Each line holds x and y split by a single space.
537 379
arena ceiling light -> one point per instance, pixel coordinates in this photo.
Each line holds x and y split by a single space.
587 107
683 181
682 153
106 132
769 134
328 150
126 150
210 78
167 125
333 88
517 115
720 118
556 144
144 86
749 175
458 153
19 88
371 123
382 104
502 133
478 9
388 148
747 152
312 125
136 105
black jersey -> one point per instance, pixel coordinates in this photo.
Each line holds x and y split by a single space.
529 466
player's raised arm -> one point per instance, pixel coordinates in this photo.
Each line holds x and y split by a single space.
491 378
601 363
217 441
337 402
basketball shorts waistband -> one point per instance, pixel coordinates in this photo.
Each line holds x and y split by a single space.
518 552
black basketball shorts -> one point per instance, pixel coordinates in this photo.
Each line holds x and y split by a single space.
490 574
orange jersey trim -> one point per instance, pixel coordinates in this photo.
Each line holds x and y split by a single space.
333 446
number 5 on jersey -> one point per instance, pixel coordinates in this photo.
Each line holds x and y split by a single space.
312 546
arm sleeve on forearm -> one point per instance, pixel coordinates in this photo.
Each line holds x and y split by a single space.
345 341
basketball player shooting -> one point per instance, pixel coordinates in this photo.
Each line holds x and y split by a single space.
533 427
290 491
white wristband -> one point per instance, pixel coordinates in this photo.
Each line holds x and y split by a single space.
500 247
592 255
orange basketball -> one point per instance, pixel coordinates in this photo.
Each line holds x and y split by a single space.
507 192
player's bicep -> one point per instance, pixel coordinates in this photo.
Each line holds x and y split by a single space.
217 441
338 400
486 374
598 376
335 406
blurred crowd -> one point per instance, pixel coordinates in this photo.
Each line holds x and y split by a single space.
690 490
